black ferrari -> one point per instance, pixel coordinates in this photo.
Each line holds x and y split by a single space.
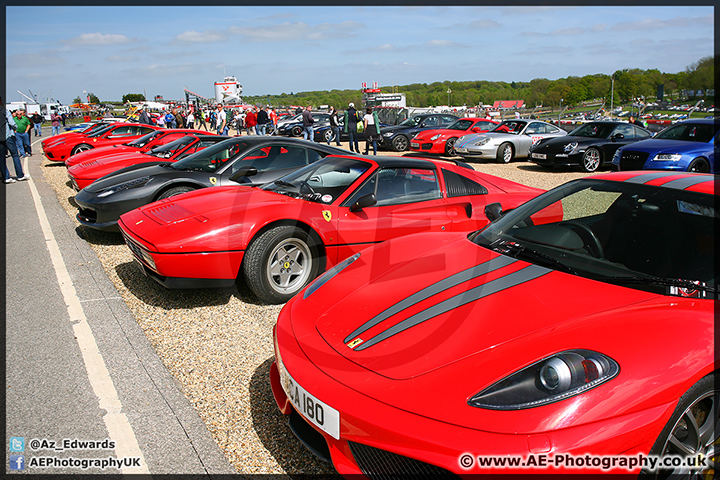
590 145
248 160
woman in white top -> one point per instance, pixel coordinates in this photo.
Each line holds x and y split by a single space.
372 130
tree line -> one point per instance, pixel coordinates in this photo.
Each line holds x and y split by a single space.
626 85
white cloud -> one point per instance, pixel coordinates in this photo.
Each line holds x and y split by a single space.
98 39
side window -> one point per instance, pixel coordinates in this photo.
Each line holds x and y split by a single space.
447 120
121 132
315 155
640 133
396 186
535 128
626 130
431 122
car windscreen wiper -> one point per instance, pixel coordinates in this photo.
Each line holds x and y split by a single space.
667 282
517 250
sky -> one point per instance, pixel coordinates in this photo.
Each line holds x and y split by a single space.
112 51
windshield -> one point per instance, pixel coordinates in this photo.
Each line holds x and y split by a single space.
170 149
640 236
510 126
411 122
145 139
212 158
461 124
691 132
593 130
321 182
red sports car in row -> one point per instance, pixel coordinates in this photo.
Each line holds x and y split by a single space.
441 141
113 133
143 144
87 128
281 236
578 326
83 174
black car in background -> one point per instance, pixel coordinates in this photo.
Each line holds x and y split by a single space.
294 127
590 145
397 137
247 160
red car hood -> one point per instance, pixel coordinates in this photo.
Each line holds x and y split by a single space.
94 168
432 309
205 220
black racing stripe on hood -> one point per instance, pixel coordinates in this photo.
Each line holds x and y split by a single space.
687 182
427 292
508 281
647 177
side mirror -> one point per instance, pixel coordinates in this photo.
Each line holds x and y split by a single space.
243 172
475 129
363 202
493 211
618 136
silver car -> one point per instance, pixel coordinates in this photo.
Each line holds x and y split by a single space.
510 139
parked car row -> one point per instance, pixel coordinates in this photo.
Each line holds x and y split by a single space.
434 310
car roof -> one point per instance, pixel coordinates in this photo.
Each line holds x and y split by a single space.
696 182
402 162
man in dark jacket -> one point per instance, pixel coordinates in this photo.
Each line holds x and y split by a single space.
351 121
262 121
37 121
143 117
308 120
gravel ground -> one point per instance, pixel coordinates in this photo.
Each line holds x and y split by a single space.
217 342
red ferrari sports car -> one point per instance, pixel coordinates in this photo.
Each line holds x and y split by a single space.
113 133
441 141
83 174
574 332
142 144
88 128
281 236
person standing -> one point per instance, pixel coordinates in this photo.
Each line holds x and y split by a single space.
161 119
262 121
9 144
37 120
22 134
202 118
273 120
334 126
372 130
251 121
222 128
179 119
143 117
308 120
351 121
55 120
191 119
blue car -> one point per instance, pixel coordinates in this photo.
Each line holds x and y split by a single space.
687 146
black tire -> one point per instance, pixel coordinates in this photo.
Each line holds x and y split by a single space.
591 160
450 147
505 153
279 263
296 131
699 165
691 430
171 192
400 143
327 135
81 148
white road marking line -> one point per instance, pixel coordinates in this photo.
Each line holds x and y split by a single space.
117 423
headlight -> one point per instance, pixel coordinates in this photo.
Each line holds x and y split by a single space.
550 380
325 277
435 137
482 141
138 182
667 157
388 134
570 147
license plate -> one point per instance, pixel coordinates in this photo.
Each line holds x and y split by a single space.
541 156
315 411
414 145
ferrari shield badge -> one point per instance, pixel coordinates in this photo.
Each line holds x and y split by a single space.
355 343
327 215
213 180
